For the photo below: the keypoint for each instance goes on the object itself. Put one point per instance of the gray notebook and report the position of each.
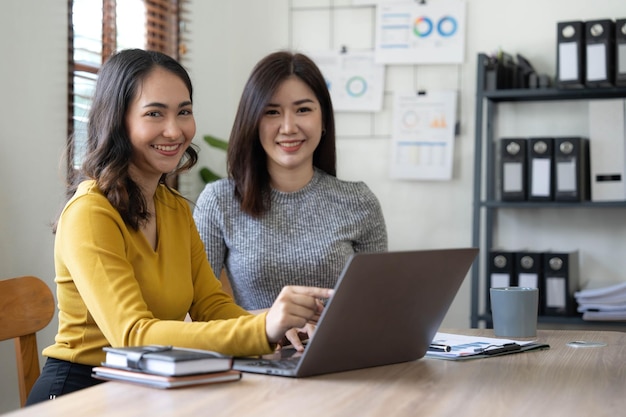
(389, 304)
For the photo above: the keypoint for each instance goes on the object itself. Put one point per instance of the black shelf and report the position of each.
(563, 320)
(485, 204)
(551, 94)
(552, 204)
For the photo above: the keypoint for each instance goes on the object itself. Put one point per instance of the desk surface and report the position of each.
(561, 381)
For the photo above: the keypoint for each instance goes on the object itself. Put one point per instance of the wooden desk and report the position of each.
(562, 381)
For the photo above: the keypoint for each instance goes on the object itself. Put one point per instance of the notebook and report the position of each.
(386, 309)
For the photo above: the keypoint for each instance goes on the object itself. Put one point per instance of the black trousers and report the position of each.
(60, 377)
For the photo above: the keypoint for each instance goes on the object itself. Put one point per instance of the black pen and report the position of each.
(507, 347)
(439, 347)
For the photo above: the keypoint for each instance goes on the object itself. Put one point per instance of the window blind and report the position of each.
(95, 33)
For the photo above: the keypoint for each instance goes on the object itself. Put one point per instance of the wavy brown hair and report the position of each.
(109, 148)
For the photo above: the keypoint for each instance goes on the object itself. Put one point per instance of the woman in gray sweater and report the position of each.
(282, 217)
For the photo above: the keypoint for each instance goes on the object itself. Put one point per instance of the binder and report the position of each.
(620, 52)
(570, 54)
(528, 266)
(500, 72)
(571, 169)
(512, 169)
(540, 169)
(561, 281)
(501, 269)
(529, 272)
(600, 53)
(607, 135)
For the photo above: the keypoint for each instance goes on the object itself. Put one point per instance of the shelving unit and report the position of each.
(485, 204)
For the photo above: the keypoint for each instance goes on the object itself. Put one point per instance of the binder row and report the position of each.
(591, 53)
(544, 169)
(554, 274)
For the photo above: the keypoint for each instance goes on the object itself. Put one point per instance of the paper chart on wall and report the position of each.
(354, 79)
(415, 33)
(423, 135)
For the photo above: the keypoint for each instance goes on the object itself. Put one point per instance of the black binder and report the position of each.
(560, 282)
(501, 269)
(620, 52)
(512, 169)
(529, 272)
(528, 267)
(540, 169)
(571, 169)
(600, 53)
(570, 54)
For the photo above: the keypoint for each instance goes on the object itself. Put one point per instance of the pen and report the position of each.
(439, 348)
(507, 347)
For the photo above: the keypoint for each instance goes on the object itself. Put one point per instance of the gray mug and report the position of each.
(514, 311)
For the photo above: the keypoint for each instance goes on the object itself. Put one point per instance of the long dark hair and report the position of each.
(109, 148)
(247, 161)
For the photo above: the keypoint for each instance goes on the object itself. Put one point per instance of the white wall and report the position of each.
(420, 214)
(33, 89)
(226, 39)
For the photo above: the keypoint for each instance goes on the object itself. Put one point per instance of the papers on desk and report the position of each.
(473, 347)
(606, 303)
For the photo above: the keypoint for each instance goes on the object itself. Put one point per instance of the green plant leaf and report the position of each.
(216, 142)
(208, 176)
(205, 173)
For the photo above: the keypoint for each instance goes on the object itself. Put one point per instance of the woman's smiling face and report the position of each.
(291, 126)
(160, 125)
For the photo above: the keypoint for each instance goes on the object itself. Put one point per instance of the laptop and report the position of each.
(386, 309)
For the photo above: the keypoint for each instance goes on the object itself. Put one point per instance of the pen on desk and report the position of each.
(439, 347)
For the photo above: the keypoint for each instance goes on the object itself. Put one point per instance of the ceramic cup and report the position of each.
(514, 311)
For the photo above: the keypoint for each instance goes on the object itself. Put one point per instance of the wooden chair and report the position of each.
(26, 306)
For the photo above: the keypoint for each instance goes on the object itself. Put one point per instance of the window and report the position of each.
(97, 29)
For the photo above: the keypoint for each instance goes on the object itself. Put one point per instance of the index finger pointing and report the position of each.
(313, 291)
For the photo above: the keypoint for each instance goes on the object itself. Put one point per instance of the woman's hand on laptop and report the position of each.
(295, 308)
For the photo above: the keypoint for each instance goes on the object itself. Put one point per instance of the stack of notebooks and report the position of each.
(165, 366)
(607, 303)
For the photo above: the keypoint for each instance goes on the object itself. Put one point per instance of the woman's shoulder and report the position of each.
(87, 190)
(217, 193)
(332, 183)
(219, 189)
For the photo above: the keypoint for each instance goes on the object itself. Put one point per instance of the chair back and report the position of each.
(26, 306)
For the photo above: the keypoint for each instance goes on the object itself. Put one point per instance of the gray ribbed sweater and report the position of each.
(305, 239)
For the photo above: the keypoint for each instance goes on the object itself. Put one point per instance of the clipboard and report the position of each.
(473, 347)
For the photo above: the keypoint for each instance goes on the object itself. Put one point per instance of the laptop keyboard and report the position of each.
(290, 363)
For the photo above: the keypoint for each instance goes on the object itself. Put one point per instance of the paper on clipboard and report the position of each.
(423, 135)
(474, 347)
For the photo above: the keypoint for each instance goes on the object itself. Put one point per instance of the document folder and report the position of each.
(571, 54)
(540, 169)
(599, 53)
(513, 168)
(620, 52)
(607, 136)
(571, 173)
(561, 281)
(501, 269)
(529, 272)
(528, 269)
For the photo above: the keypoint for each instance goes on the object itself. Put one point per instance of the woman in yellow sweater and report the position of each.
(129, 261)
